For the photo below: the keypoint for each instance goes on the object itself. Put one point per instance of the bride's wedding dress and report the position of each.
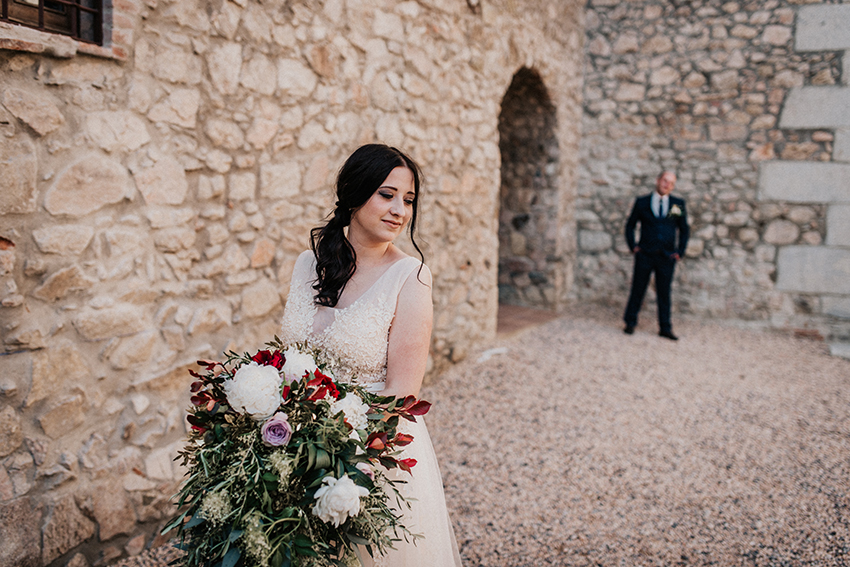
(355, 338)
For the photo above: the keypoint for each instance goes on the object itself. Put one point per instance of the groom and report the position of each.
(660, 216)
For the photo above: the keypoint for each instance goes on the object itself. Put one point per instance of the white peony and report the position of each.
(338, 499)
(354, 410)
(297, 363)
(254, 389)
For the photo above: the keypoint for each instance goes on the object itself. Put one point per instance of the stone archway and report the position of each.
(528, 196)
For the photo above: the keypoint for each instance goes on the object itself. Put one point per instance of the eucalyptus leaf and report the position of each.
(196, 520)
(323, 459)
(231, 557)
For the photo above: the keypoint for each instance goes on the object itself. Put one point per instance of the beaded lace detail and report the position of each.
(355, 341)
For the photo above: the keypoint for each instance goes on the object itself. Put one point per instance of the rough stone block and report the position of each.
(37, 110)
(816, 107)
(61, 283)
(20, 532)
(225, 64)
(164, 183)
(263, 253)
(242, 186)
(98, 324)
(87, 186)
(174, 239)
(295, 78)
(260, 298)
(781, 232)
(838, 225)
(259, 75)
(112, 510)
(134, 350)
(210, 318)
(594, 240)
(180, 108)
(159, 464)
(64, 239)
(120, 131)
(11, 435)
(55, 370)
(66, 415)
(64, 528)
(18, 170)
(804, 182)
(814, 269)
(279, 181)
(823, 28)
(164, 217)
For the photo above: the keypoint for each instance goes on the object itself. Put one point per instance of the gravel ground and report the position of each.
(574, 444)
(581, 445)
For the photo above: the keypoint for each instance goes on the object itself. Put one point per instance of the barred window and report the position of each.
(80, 19)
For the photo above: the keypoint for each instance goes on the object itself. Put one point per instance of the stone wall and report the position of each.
(705, 88)
(155, 193)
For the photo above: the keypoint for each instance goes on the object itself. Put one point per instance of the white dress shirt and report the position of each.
(657, 200)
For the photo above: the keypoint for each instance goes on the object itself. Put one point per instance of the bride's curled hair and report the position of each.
(358, 179)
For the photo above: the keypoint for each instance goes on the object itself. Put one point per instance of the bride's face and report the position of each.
(383, 217)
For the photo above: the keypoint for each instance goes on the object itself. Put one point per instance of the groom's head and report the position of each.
(665, 183)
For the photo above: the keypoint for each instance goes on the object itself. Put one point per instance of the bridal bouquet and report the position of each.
(286, 467)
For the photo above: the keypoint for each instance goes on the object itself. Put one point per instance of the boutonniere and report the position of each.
(675, 211)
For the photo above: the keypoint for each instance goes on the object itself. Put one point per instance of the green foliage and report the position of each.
(246, 503)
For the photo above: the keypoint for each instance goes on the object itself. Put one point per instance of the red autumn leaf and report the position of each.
(196, 385)
(402, 439)
(420, 408)
(195, 420)
(377, 441)
(195, 374)
(406, 464)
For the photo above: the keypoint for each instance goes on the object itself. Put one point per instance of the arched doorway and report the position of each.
(528, 196)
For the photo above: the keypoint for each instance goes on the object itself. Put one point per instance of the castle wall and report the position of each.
(746, 101)
(155, 193)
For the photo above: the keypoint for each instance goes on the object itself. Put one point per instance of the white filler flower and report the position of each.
(338, 499)
(354, 410)
(254, 389)
(297, 363)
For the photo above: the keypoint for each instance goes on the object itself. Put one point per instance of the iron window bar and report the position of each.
(79, 19)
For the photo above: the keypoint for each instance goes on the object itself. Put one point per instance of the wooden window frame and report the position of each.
(82, 19)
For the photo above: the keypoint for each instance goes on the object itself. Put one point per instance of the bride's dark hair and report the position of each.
(358, 179)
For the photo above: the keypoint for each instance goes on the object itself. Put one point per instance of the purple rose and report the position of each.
(277, 431)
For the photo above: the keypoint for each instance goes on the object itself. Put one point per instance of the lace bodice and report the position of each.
(354, 339)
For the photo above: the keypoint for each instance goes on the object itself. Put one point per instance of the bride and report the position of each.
(368, 305)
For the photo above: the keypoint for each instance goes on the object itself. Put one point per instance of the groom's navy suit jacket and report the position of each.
(658, 235)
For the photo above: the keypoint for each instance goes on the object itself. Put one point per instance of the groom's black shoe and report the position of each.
(668, 335)
(629, 330)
